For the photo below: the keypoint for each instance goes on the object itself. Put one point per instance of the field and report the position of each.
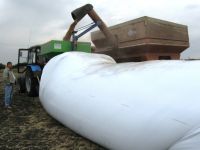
(28, 126)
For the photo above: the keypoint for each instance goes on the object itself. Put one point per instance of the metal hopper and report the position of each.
(143, 39)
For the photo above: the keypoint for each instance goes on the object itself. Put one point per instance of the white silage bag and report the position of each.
(152, 105)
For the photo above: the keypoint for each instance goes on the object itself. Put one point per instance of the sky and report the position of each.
(24, 23)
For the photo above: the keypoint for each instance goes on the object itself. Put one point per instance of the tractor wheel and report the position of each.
(31, 83)
(21, 85)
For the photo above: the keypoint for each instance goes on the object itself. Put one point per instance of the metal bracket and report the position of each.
(76, 37)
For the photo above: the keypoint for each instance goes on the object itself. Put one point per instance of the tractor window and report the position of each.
(23, 56)
(32, 58)
(22, 59)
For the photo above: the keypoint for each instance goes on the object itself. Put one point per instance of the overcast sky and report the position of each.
(24, 23)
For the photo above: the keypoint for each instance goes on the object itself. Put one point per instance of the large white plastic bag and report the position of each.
(130, 106)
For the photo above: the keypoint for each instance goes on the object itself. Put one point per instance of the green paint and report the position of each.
(55, 47)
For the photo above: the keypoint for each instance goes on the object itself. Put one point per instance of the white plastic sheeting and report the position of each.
(151, 105)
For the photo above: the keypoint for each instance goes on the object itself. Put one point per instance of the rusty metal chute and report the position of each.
(87, 9)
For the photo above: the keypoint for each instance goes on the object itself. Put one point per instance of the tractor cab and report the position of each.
(28, 57)
(30, 68)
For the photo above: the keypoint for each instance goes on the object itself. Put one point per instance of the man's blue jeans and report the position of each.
(8, 94)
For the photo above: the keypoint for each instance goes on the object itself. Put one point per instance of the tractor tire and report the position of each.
(31, 83)
(21, 85)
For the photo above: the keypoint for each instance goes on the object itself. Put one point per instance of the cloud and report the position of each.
(29, 22)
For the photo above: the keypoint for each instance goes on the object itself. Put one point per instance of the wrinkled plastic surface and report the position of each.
(151, 105)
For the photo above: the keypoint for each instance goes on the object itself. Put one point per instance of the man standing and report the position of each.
(9, 81)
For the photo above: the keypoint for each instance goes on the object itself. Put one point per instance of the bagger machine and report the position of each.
(137, 40)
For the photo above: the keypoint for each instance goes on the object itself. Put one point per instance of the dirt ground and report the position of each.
(28, 126)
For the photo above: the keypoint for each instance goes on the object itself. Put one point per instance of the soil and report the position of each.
(27, 126)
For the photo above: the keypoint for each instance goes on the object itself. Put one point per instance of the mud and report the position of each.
(27, 126)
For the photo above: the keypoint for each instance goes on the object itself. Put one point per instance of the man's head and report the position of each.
(9, 65)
